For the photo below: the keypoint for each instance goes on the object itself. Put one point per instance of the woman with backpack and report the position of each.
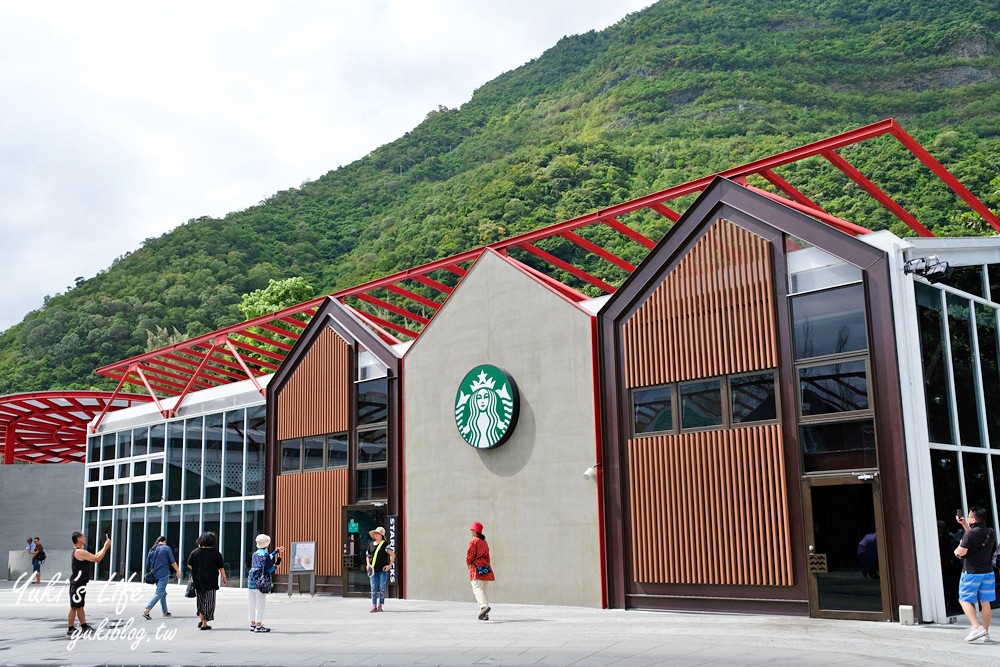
(260, 580)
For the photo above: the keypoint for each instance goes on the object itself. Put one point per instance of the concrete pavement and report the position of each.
(336, 631)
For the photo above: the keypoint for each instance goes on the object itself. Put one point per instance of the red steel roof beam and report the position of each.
(665, 211)
(221, 354)
(938, 169)
(789, 189)
(265, 340)
(880, 196)
(833, 221)
(392, 308)
(433, 284)
(565, 290)
(628, 232)
(389, 325)
(382, 333)
(9, 444)
(250, 375)
(567, 267)
(413, 296)
(191, 382)
(253, 349)
(576, 239)
(293, 335)
(156, 400)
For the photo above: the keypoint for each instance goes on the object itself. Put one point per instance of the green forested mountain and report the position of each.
(677, 91)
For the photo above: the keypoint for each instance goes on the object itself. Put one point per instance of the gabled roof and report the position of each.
(51, 426)
(399, 306)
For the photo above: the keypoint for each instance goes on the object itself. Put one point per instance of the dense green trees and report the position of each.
(679, 90)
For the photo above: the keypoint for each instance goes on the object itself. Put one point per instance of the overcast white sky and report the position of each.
(121, 120)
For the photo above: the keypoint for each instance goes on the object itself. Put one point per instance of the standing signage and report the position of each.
(393, 541)
(303, 555)
(486, 406)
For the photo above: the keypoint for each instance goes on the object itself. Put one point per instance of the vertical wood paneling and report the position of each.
(316, 399)
(710, 508)
(712, 315)
(308, 507)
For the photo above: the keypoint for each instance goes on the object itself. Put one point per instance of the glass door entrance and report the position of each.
(847, 577)
(358, 521)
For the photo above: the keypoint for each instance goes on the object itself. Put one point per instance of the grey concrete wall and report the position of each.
(40, 499)
(540, 513)
(56, 562)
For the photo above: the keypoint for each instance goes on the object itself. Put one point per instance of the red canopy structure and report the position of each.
(399, 306)
(51, 426)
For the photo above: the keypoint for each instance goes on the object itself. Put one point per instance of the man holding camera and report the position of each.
(978, 583)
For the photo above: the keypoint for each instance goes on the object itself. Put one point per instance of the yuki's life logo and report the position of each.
(486, 406)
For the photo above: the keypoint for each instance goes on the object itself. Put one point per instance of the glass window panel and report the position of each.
(753, 398)
(930, 320)
(373, 401)
(107, 495)
(191, 525)
(833, 388)
(154, 525)
(93, 497)
(993, 271)
(969, 279)
(962, 361)
(255, 450)
(838, 446)
(137, 543)
(108, 445)
(155, 490)
(121, 494)
(124, 444)
(989, 356)
(138, 492)
(372, 446)
(109, 473)
(140, 468)
(810, 268)
(140, 443)
(233, 474)
(105, 529)
(253, 524)
(93, 474)
(232, 549)
(212, 466)
(192, 455)
(172, 521)
(175, 459)
(156, 466)
(336, 450)
(369, 367)
(90, 529)
(291, 455)
(211, 519)
(93, 449)
(701, 404)
(977, 482)
(830, 322)
(312, 452)
(156, 437)
(372, 484)
(123, 471)
(652, 409)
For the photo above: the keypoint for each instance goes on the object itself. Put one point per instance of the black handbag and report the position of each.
(190, 592)
(150, 579)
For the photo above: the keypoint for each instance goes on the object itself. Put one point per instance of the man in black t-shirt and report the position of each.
(978, 583)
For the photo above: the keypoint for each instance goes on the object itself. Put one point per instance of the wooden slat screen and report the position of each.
(712, 315)
(307, 508)
(316, 399)
(710, 508)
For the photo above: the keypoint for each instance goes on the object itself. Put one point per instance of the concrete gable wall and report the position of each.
(540, 513)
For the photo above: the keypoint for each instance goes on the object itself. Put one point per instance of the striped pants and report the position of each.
(206, 604)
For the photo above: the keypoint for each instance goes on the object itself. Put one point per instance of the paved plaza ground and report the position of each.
(326, 630)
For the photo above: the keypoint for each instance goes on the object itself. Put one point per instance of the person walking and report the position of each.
(978, 583)
(79, 578)
(379, 559)
(37, 552)
(260, 580)
(159, 562)
(477, 557)
(207, 567)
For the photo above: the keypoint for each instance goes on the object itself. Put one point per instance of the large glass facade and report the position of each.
(177, 478)
(957, 323)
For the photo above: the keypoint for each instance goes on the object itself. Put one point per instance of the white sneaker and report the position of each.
(975, 633)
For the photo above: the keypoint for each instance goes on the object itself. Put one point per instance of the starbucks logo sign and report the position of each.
(486, 406)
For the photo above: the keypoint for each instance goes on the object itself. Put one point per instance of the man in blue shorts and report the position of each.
(978, 583)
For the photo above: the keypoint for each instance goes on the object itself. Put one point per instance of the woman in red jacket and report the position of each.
(480, 572)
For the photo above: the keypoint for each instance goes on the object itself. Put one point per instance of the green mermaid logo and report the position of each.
(486, 406)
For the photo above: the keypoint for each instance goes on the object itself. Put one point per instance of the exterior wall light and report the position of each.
(591, 472)
(931, 268)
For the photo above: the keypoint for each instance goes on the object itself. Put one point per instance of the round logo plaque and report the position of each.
(486, 406)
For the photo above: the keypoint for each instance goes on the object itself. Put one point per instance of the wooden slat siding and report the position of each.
(316, 399)
(712, 315)
(308, 507)
(728, 481)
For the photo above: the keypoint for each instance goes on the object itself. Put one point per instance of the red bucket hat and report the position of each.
(476, 526)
